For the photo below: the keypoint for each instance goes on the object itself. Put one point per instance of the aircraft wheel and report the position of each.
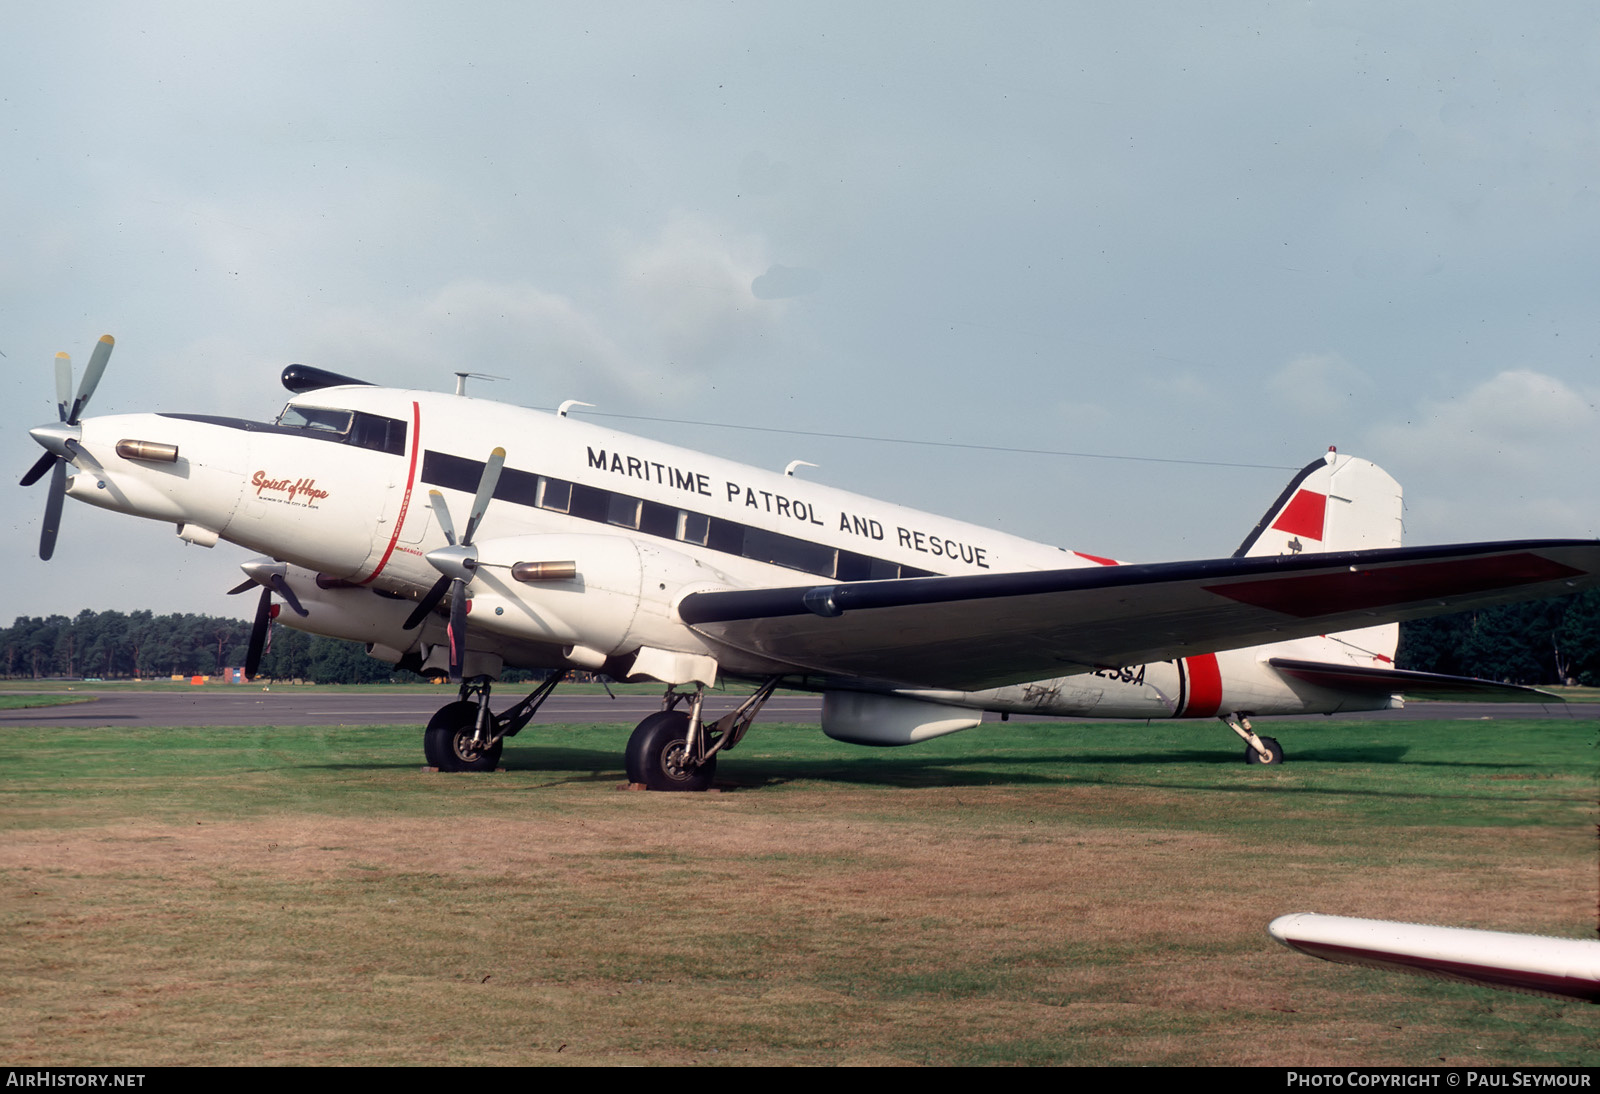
(448, 744)
(1251, 756)
(656, 754)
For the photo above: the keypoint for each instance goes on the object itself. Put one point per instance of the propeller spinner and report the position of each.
(60, 439)
(458, 562)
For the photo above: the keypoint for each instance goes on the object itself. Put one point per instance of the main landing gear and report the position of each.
(675, 750)
(670, 750)
(467, 736)
(1258, 750)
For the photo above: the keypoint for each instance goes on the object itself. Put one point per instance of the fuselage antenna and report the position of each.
(462, 377)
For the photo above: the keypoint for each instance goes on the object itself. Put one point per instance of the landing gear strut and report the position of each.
(467, 736)
(1258, 750)
(674, 750)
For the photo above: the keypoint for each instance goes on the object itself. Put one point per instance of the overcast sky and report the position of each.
(1234, 233)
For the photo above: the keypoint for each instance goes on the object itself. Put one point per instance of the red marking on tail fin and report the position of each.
(1303, 515)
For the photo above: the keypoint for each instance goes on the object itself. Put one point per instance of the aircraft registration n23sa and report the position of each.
(453, 534)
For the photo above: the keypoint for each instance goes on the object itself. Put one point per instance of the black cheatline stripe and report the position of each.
(521, 488)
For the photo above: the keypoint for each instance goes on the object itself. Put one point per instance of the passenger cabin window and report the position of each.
(693, 527)
(555, 495)
(623, 511)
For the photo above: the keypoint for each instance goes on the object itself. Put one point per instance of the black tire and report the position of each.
(1251, 756)
(655, 755)
(447, 742)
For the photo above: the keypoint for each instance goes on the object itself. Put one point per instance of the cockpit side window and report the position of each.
(379, 433)
(354, 427)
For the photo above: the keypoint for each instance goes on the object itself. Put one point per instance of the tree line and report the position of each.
(1538, 642)
(141, 645)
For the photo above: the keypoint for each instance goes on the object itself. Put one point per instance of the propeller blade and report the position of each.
(247, 583)
(458, 627)
(258, 631)
(491, 478)
(427, 603)
(281, 587)
(52, 511)
(92, 374)
(36, 472)
(63, 384)
(441, 513)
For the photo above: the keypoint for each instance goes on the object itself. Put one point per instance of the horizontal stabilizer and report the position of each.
(1413, 685)
(987, 630)
(1568, 968)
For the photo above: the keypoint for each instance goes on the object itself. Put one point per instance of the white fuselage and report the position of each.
(650, 522)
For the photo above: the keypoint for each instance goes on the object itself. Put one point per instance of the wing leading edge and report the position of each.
(983, 631)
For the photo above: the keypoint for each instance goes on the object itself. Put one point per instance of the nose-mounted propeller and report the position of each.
(457, 563)
(60, 439)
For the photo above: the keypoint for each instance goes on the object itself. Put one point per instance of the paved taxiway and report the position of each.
(291, 706)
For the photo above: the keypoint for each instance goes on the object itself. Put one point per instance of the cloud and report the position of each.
(516, 330)
(1510, 457)
(691, 287)
(1319, 384)
(675, 308)
(1518, 420)
(784, 281)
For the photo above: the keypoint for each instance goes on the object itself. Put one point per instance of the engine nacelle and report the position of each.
(619, 596)
(861, 718)
(338, 610)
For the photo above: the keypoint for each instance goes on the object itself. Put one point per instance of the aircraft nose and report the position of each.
(57, 437)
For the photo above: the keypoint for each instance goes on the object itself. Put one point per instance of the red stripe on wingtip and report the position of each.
(1307, 595)
(1097, 558)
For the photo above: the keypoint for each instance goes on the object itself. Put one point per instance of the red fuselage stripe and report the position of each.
(405, 501)
(1205, 686)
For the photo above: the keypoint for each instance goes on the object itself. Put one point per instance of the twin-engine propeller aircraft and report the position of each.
(461, 535)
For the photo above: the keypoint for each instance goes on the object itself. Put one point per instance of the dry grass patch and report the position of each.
(337, 909)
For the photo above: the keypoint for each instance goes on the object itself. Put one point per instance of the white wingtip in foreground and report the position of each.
(1568, 968)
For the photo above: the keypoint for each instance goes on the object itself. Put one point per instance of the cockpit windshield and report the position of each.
(315, 417)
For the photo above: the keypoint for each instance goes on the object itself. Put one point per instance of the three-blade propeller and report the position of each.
(269, 574)
(61, 439)
(458, 562)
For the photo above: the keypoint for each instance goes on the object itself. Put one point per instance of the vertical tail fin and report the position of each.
(1336, 503)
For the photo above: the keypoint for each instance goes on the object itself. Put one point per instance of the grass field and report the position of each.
(1017, 894)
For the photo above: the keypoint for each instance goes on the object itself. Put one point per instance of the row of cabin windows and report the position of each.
(664, 521)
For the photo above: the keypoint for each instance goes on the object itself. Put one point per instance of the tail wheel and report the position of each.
(1251, 756)
(448, 743)
(658, 755)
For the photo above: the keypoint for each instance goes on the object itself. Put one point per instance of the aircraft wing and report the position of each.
(1413, 685)
(1568, 968)
(975, 632)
